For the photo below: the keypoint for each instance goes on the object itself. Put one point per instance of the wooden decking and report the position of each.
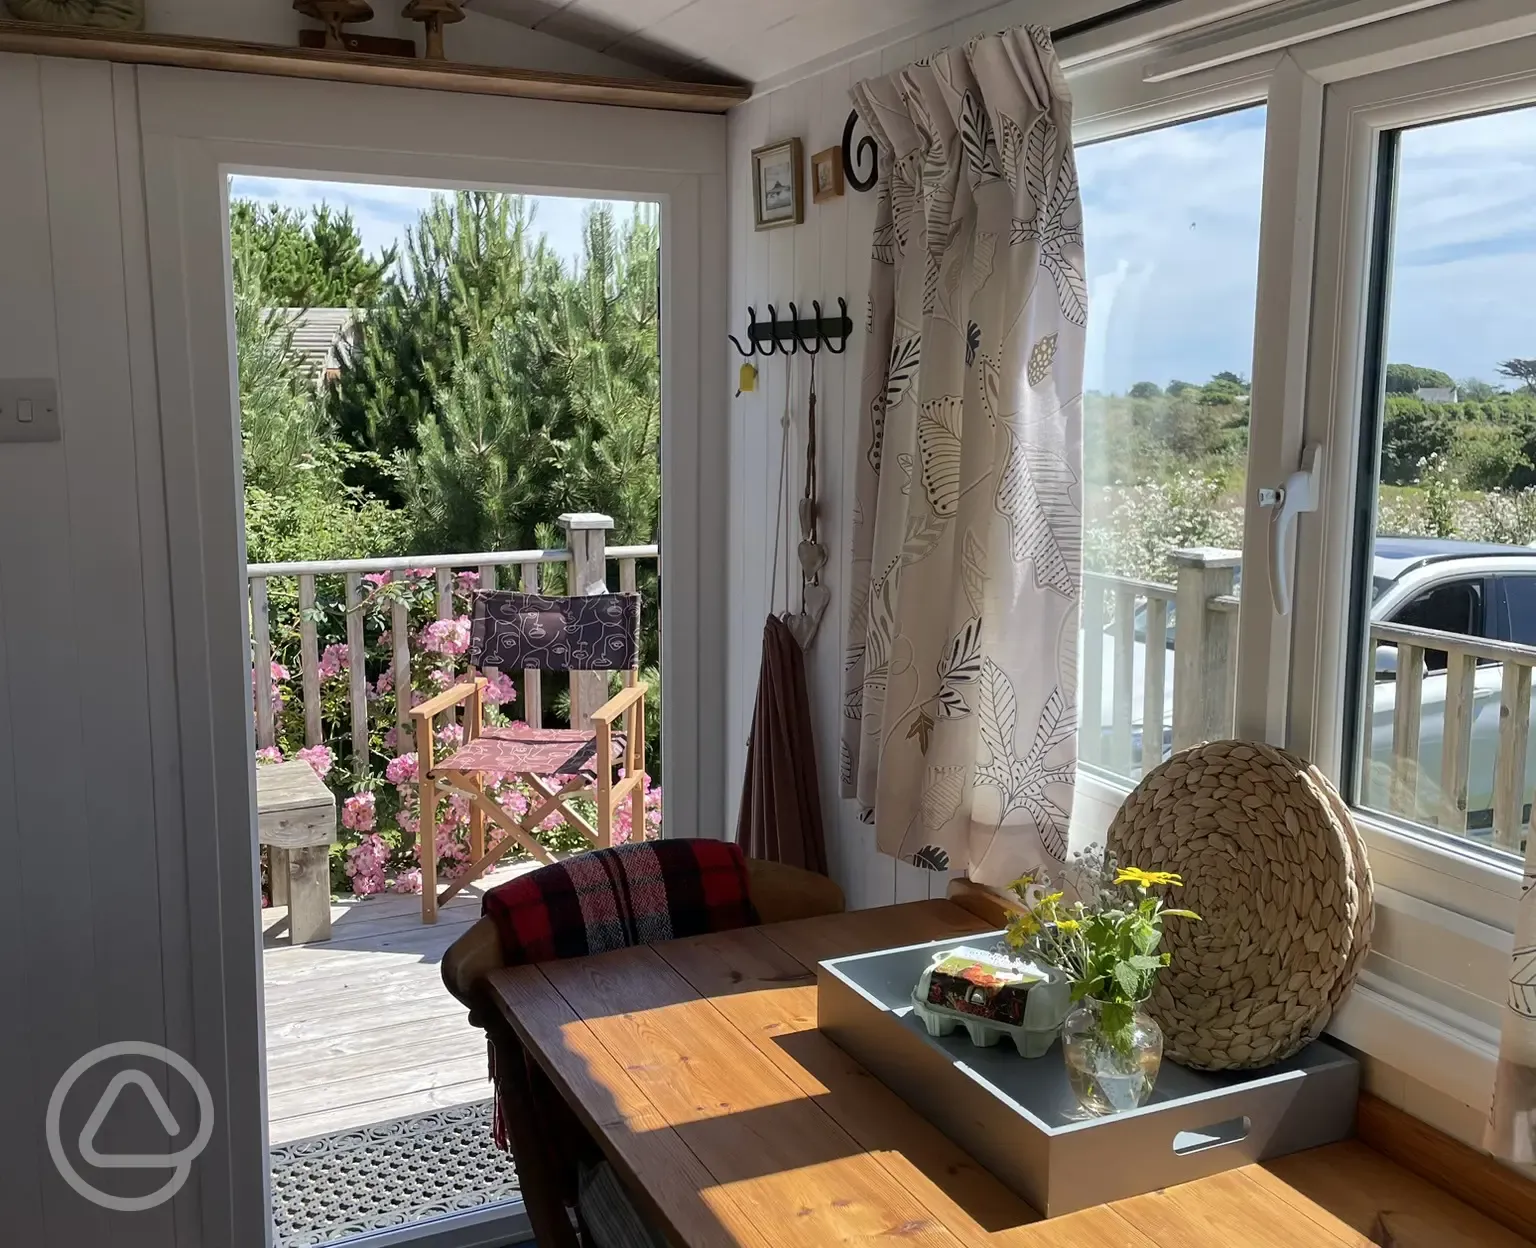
(360, 1029)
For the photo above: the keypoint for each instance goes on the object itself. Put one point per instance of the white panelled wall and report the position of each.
(826, 257)
(92, 926)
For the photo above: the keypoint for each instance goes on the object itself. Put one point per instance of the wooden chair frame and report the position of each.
(433, 780)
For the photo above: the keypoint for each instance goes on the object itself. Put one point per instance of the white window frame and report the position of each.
(1358, 112)
(1428, 1002)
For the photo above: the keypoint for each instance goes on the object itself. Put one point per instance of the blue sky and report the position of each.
(1171, 226)
(382, 213)
(1171, 222)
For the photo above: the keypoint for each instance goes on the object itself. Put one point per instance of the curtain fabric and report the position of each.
(959, 731)
(1511, 1131)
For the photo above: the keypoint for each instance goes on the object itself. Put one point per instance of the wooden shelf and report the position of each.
(265, 58)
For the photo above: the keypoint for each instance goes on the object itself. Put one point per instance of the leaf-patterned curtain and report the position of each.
(959, 730)
(1511, 1132)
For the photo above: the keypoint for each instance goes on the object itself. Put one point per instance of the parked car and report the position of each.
(1473, 589)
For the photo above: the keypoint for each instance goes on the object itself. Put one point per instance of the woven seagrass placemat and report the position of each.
(1273, 865)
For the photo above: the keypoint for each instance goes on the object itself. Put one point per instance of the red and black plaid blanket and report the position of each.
(614, 898)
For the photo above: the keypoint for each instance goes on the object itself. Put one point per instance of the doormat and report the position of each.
(386, 1175)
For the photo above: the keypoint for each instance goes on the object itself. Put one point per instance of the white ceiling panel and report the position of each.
(747, 40)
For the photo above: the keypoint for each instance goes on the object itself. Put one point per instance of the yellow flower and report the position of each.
(1147, 879)
(1067, 925)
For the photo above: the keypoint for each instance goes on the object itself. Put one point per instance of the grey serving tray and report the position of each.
(1020, 1120)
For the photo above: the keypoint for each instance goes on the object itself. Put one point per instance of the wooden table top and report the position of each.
(697, 1066)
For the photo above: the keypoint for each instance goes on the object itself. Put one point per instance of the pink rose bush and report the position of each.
(359, 812)
(379, 803)
(319, 757)
(446, 637)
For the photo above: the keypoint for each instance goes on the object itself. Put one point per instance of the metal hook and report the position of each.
(842, 306)
(794, 329)
(816, 334)
(752, 312)
(773, 338)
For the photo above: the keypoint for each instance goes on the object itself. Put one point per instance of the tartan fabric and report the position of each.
(519, 749)
(635, 894)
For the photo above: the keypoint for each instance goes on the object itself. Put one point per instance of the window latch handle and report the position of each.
(1299, 493)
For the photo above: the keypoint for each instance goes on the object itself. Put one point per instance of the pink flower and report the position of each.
(499, 690)
(408, 881)
(379, 578)
(269, 754)
(279, 674)
(441, 678)
(450, 736)
(319, 757)
(401, 770)
(467, 580)
(358, 813)
(385, 683)
(449, 637)
(365, 865)
(334, 660)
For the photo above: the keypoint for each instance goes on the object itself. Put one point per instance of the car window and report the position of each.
(1520, 609)
(1455, 607)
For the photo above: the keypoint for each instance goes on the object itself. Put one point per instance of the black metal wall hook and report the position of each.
(791, 337)
(867, 148)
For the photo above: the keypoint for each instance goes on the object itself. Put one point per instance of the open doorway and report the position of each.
(440, 392)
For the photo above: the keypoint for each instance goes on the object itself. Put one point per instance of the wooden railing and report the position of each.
(1446, 806)
(1204, 665)
(1126, 619)
(584, 560)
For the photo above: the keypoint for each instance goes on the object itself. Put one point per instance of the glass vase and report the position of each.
(1110, 1071)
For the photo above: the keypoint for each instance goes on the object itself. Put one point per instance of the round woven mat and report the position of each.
(1272, 863)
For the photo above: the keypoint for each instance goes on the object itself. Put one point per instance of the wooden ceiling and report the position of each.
(750, 41)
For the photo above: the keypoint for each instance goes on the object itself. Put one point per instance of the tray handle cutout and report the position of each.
(1232, 1131)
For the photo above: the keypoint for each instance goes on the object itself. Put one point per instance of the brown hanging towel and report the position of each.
(781, 795)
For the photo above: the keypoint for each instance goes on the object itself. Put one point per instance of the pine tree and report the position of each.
(281, 422)
(313, 260)
(610, 351)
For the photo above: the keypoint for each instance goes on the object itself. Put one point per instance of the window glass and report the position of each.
(1520, 609)
(1454, 407)
(1453, 608)
(1171, 228)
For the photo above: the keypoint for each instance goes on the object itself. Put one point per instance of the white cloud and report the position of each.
(1171, 225)
(383, 213)
(1171, 228)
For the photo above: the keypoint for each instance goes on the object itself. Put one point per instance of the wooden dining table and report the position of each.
(697, 1067)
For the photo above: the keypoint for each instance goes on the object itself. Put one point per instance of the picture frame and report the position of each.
(778, 191)
(827, 175)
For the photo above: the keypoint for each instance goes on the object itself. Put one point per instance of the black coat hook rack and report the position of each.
(811, 334)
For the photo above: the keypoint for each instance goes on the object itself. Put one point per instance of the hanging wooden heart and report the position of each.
(807, 517)
(813, 558)
(805, 623)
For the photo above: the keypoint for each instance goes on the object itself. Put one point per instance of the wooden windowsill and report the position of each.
(188, 52)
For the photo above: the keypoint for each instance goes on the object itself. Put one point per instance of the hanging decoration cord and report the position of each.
(781, 498)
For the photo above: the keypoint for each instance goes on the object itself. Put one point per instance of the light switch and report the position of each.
(29, 409)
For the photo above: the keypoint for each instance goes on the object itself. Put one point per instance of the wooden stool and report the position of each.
(296, 820)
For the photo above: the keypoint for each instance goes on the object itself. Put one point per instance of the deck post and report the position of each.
(1205, 641)
(586, 537)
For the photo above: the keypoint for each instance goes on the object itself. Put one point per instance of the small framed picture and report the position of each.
(827, 174)
(778, 196)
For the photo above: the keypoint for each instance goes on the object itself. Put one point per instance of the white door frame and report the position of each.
(198, 127)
